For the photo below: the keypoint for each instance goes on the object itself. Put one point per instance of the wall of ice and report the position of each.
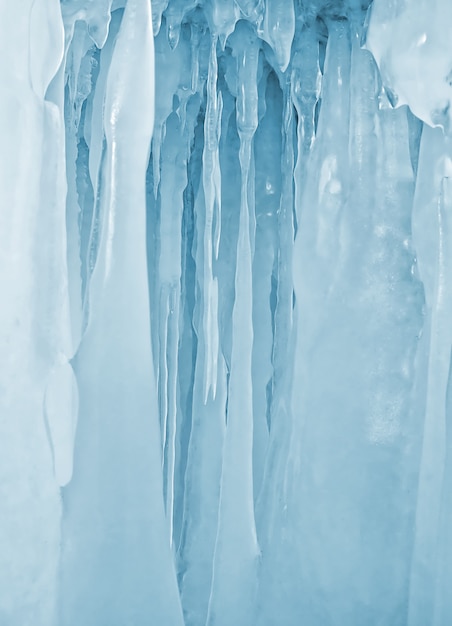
(225, 321)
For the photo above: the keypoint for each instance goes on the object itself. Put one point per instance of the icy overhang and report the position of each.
(411, 41)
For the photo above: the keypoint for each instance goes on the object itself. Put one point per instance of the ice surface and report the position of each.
(225, 260)
(411, 44)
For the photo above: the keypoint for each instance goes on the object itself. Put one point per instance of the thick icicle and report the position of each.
(223, 15)
(95, 13)
(34, 315)
(158, 7)
(355, 293)
(279, 29)
(113, 507)
(277, 534)
(432, 240)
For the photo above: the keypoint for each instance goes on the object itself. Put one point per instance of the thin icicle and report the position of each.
(305, 92)
(212, 195)
(268, 176)
(174, 16)
(204, 455)
(168, 68)
(173, 183)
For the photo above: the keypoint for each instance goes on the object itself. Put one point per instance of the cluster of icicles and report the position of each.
(246, 385)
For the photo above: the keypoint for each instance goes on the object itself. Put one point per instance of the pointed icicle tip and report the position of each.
(173, 33)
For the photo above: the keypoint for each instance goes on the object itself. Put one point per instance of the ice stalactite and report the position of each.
(211, 181)
(226, 346)
(430, 215)
(278, 29)
(267, 144)
(113, 511)
(234, 580)
(34, 337)
(354, 247)
(173, 181)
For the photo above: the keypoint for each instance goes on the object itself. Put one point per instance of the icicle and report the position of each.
(167, 68)
(234, 581)
(96, 15)
(267, 148)
(82, 58)
(91, 218)
(99, 21)
(173, 183)
(224, 15)
(158, 7)
(97, 109)
(114, 504)
(305, 92)
(279, 29)
(34, 316)
(196, 32)
(204, 456)
(170, 180)
(78, 77)
(174, 15)
(432, 240)
(251, 9)
(272, 503)
(314, 263)
(212, 195)
(352, 269)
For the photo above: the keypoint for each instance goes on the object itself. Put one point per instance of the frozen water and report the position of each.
(411, 44)
(225, 329)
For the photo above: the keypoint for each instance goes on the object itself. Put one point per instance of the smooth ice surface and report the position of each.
(411, 42)
(225, 324)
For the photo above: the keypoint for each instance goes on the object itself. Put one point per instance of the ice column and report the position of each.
(34, 318)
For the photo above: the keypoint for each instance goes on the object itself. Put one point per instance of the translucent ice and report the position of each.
(411, 44)
(225, 262)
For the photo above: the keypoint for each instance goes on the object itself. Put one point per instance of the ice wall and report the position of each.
(225, 254)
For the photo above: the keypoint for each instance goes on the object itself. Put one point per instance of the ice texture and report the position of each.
(225, 327)
(411, 44)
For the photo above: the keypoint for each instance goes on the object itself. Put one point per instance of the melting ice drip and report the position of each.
(225, 322)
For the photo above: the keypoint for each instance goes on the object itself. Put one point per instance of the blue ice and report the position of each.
(225, 324)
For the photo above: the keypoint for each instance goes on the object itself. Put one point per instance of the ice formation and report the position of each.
(225, 328)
